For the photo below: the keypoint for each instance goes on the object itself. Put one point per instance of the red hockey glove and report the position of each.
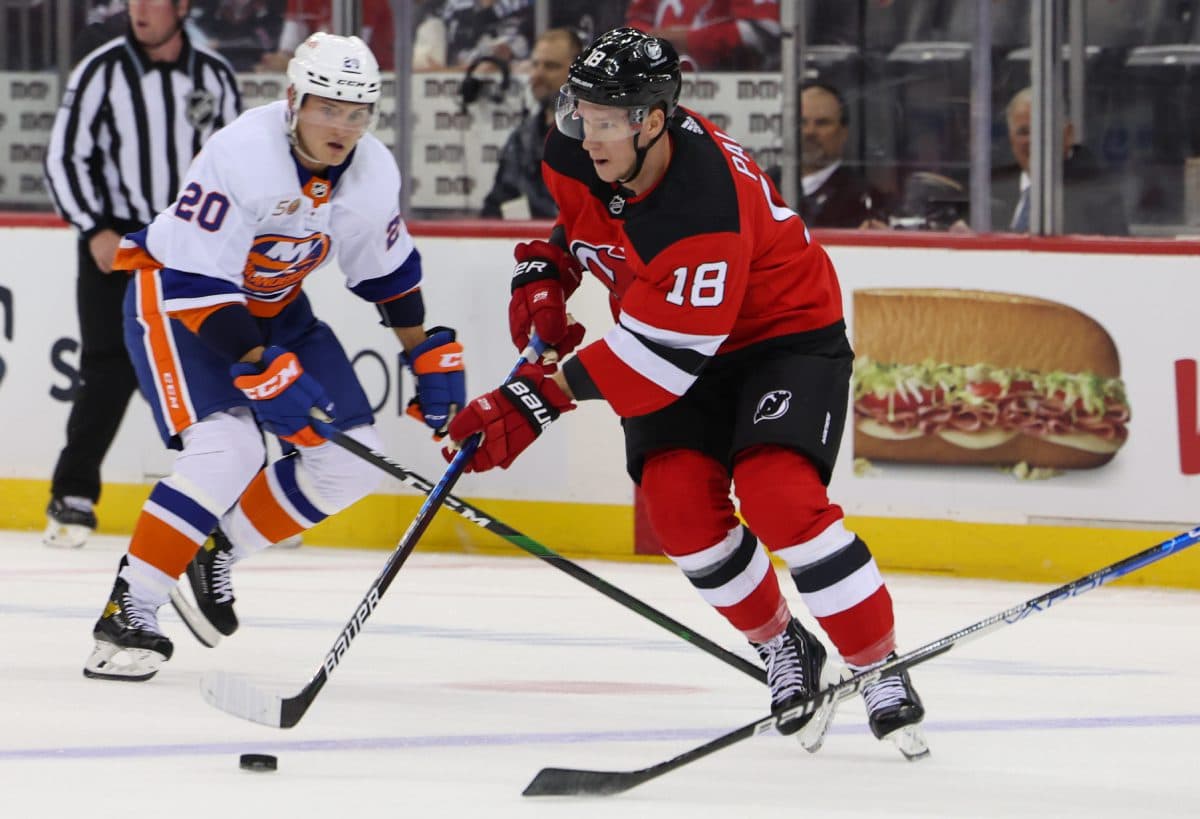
(543, 280)
(510, 418)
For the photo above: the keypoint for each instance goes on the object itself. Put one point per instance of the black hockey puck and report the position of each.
(258, 762)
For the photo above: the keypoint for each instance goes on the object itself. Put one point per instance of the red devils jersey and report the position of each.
(708, 261)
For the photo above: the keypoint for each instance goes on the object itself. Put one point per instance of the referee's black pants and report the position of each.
(107, 380)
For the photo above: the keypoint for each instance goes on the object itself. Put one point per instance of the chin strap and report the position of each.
(641, 155)
(295, 140)
(293, 127)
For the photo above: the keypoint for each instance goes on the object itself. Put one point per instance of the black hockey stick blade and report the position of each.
(568, 782)
(571, 782)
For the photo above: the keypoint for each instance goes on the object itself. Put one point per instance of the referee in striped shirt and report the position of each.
(135, 112)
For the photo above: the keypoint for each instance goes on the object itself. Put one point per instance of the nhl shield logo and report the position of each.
(201, 108)
(772, 405)
(616, 204)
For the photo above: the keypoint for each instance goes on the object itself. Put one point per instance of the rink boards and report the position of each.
(570, 491)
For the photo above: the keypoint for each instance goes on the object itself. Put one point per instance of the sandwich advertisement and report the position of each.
(974, 392)
(1020, 387)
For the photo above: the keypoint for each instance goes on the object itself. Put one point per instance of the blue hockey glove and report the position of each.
(282, 394)
(437, 364)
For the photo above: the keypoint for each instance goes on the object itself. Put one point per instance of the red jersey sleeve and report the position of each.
(674, 317)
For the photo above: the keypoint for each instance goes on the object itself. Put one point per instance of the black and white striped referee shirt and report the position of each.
(127, 130)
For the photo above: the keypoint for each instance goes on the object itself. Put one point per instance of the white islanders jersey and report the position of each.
(250, 223)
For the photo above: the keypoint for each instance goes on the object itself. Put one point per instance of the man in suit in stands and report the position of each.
(1092, 200)
(833, 194)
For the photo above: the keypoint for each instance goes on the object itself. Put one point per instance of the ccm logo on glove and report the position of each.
(283, 371)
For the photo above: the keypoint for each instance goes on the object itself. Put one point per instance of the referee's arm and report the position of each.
(73, 148)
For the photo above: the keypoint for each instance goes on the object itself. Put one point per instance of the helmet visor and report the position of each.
(354, 118)
(580, 119)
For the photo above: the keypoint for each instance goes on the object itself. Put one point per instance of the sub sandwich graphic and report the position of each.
(974, 377)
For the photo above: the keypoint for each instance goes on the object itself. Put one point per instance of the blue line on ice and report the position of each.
(566, 738)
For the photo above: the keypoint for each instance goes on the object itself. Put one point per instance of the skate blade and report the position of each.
(110, 661)
(65, 535)
(197, 623)
(812, 736)
(910, 741)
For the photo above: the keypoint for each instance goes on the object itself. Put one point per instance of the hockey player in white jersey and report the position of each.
(223, 339)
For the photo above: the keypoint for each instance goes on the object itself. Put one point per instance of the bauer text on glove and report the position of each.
(510, 418)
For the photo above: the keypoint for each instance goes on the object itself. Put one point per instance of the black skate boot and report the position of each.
(211, 579)
(129, 644)
(796, 669)
(68, 524)
(894, 711)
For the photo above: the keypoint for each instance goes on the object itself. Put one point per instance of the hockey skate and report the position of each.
(68, 523)
(894, 712)
(130, 645)
(796, 670)
(210, 578)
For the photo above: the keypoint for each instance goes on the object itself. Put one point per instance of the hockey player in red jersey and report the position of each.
(728, 362)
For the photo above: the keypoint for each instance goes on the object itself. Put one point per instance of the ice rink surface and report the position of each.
(476, 672)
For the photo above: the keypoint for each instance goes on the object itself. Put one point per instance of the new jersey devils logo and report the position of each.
(772, 405)
(601, 260)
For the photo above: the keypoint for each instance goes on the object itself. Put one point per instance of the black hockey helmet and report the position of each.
(622, 68)
(627, 68)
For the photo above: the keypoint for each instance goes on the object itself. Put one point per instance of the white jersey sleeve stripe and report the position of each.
(640, 358)
(706, 346)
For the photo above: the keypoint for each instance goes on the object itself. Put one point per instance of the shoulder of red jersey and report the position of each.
(697, 196)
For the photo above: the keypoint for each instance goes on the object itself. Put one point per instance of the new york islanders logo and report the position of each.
(277, 262)
(772, 405)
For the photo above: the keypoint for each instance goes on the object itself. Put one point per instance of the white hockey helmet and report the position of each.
(335, 67)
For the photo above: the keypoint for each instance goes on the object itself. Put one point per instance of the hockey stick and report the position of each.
(570, 782)
(481, 519)
(240, 696)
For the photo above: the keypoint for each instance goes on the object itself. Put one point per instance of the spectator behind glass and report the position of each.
(242, 30)
(1092, 201)
(303, 17)
(520, 171)
(487, 28)
(832, 193)
(587, 18)
(737, 35)
(104, 19)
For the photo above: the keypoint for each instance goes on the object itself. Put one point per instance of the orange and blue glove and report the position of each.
(282, 395)
(437, 365)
